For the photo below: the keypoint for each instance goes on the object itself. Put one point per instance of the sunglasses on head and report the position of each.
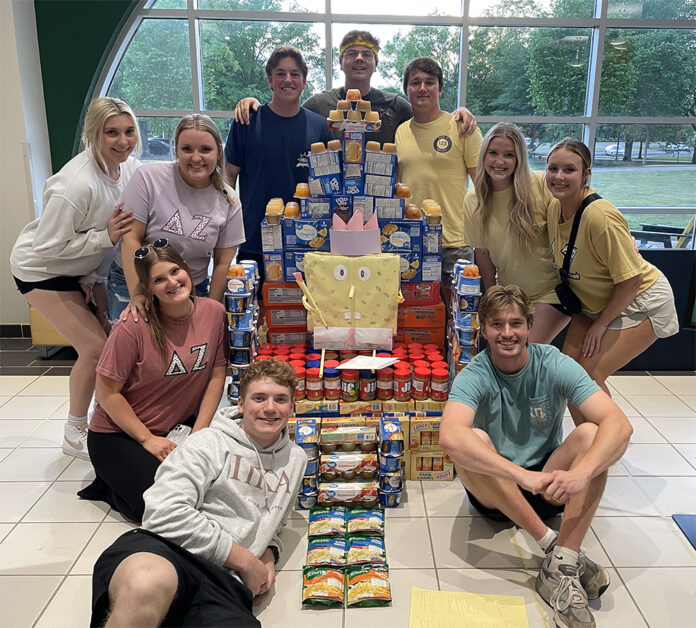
(144, 251)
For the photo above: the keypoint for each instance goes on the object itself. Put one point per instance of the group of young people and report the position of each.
(214, 506)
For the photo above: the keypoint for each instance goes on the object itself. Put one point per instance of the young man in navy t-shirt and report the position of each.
(270, 154)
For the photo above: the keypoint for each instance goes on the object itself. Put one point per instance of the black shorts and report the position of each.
(207, 595)
(541, 507)
(57, 284)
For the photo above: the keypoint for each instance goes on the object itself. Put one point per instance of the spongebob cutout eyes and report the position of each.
(353, 300)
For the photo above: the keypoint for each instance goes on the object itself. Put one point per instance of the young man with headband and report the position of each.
(502, 427)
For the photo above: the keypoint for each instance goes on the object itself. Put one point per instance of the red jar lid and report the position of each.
(297, 355)
(415, 345)
(422, 372)
(434, 356)
(297, 364)
(263, 356)
(383, 355)
(440, 365)
(313, 356)
(299, 345)
(386, 372)
(350, 373)
(398, 345)
(402, 367)
(420, 364)
(266, 348)
(430, 347)
(281, 357)
(313, 372)
(440, 373)
(416, 355)
(364, 352)
(331, 364)
(300, 371)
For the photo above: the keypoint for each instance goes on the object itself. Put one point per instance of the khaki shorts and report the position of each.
(655, 303)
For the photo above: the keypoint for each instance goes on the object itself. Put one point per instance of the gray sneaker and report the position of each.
(593, 577)
(562, 591)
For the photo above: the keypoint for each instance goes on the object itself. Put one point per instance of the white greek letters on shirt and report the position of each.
(175, 226)
(176, 366)
(200, 365)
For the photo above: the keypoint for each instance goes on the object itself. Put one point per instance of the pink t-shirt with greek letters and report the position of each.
(163, 395)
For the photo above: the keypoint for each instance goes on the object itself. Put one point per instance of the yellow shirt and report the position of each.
(604, 253)
(534, 272)
(433, 162)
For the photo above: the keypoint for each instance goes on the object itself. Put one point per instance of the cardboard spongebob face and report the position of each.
(359, 294)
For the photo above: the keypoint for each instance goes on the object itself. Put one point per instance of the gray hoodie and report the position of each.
(220, 488)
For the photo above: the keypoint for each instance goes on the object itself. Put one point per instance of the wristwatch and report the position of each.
(276, 554)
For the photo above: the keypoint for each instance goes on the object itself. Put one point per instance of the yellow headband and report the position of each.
(359, 41)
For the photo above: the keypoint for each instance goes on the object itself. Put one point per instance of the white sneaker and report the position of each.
(75, 441)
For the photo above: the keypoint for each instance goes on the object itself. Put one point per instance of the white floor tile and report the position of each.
(644, 432)
(43, 548)
(13, 432)
(676, 430)
(644, 542)
(78, 470)
(48, 386)
(499, 582)
(447, 499)
(407, 543)
(61, 413)
(10, 385)
(625, 405)
(411, 501)
(31, 407)
(637, 385)
(472, 542)
(656, 460)
(105, 535)
(678, 384)
(616, 609)
(689, 452)
(34, 464)
(4, 399)
(16, 498)
(61, 504)
(623, 497)
(651, 406)
(670, 495)
(22, 598)
(618, 468)
(282, 606)
(294, 538)
(397, 614)
(48, 434)
(689, 400)
(667, 596)
(71, 606)
(5, 530)
(4, 453)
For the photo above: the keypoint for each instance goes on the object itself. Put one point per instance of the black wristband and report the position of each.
(276, 553)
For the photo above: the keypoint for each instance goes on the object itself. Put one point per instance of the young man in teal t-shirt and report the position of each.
(502, 427)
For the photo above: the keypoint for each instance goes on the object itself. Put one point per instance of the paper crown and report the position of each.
(355, 238)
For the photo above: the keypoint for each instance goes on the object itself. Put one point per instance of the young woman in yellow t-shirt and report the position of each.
(505, 219)
(627, 303)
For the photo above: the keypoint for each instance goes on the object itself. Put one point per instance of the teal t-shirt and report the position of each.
(523, 412)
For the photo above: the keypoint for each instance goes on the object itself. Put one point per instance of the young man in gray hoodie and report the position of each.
(209, 539)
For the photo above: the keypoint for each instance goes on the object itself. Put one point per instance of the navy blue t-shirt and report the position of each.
(272, 154)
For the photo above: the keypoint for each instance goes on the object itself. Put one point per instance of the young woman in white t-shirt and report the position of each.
(55, 261)
(505, 219)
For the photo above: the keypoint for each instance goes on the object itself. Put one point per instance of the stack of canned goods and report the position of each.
(390, 456)
(465, 330)
(306, 436)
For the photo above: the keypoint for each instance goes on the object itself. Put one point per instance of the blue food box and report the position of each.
(325, 185)
(431, 268)
(353, 147)
(377, 185)
(293, 262)
(365, 204)
(380, 163)
(389, 208)
(353, 187)
(432, 238)
(317, 207)
(410, 267)
(391, 438)
(322, 164)
(306, 234)
(271, 236)
(397, 235)
(273, 266)
(342, 203)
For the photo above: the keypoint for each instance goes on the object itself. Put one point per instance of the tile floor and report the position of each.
(49, 539)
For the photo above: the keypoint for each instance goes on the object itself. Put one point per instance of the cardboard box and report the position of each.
(286, 317)
(323, 164)
(421, 292)
(383, 164)
(271, 237)
(377, 185)
(410, 315)
(321, 408)
(430, 466)
(353, 147)
(400, 235)
(293, 262)
(365, 204)
(431, 268)
(357, 420)
(325, 185)
(286, 293)
(425, 434)
(288, 335)
(342, 204)
(424, 335)
(360, 407)
(389, 208)
(306, 234)
(354, 187)
(428, 405)
(432, 239)
(43, 333)
(410, 269)
(273, 266)
(319, 207)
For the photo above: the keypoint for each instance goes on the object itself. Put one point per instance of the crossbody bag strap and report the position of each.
(590, 198)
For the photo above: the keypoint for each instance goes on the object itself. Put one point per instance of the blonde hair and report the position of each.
(98, 112)
(521, 212)
(277, 371)
(201, 122)
(580, 149)
(499, 298)
(143, 266)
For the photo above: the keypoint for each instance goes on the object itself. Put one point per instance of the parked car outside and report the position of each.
(159, 146)
(613, 149)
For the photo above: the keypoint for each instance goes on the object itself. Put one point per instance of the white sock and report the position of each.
(547, 540)
(76, 421)
(562, 556)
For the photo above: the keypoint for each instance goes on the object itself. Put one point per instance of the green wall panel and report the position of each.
(75, 37)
